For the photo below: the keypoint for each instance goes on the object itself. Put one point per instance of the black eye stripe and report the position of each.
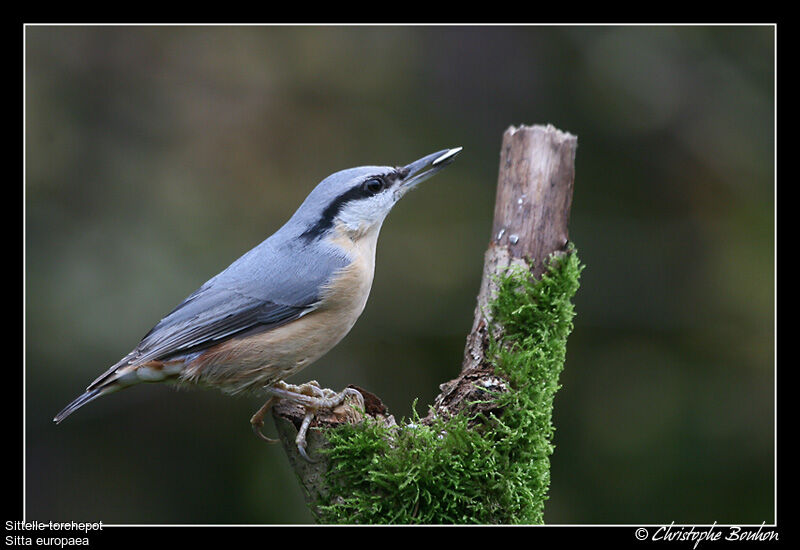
(325, 222)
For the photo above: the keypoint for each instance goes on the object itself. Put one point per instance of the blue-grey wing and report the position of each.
(265, 288)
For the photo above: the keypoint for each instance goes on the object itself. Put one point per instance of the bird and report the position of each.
(282, 305)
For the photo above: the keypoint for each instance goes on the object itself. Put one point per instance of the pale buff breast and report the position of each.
(261, 358)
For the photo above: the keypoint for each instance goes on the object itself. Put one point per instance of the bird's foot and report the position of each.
(312, 398)
(257, 421)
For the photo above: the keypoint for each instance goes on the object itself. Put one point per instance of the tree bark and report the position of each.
(531, 215)
(532, 207)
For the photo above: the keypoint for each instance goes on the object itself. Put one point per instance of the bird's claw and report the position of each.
(312, 398)
(257, 421)
(260, 434)
(300, 440)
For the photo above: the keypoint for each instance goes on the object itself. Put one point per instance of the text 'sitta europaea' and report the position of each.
(283, 304)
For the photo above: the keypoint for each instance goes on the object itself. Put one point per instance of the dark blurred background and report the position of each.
(156, 155)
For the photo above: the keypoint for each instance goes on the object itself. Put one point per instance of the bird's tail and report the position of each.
(122, 376)
(112, 380)
(87, 396)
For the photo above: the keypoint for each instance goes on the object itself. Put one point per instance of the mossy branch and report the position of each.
(482, 452)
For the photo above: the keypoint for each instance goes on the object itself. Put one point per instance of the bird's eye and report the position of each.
(373, 186)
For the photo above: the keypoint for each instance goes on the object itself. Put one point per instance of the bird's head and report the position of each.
(357, 200)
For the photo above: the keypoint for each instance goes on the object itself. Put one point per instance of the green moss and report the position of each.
(488, 470)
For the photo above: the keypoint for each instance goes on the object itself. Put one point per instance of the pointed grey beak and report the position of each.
(422, 169)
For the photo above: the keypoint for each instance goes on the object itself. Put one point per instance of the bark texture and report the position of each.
(531, 215)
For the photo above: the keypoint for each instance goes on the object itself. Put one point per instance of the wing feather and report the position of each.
(255, 291)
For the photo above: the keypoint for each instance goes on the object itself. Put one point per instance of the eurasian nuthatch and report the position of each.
(283, 304)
